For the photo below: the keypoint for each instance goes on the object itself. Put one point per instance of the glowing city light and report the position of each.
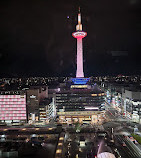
(61, 138)
(58, 151)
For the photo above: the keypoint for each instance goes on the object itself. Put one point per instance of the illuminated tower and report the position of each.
(79, 34)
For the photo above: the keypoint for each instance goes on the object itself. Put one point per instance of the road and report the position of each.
(94, 143)
(128, 146)
(121, 124)
(114, 114)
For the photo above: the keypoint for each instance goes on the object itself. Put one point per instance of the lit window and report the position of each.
(58, 151)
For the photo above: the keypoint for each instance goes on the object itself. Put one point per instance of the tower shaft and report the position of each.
(79, 71)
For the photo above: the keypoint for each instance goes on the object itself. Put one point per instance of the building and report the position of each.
(35, 95)
(125, 98)
(13, 106)
(132, 104)
(52, 109)
(80, 103)
(47, 110)
(114, 94)
(43, 111)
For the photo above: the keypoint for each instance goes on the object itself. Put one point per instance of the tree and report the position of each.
(77, 126)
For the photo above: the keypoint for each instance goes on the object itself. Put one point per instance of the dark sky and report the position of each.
(36, 37)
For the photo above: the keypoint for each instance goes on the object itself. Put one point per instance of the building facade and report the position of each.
(132, 105)
(13, 107)
(35, 95)
(80, 104)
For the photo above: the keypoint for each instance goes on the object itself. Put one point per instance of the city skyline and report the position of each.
(36, 38)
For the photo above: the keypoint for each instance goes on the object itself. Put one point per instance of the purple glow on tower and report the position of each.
(79, 34)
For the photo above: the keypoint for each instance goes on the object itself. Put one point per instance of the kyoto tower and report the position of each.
(79, 34)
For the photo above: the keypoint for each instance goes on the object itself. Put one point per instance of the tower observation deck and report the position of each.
(79, 35)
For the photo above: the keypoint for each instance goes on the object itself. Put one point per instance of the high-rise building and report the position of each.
(34, 96)
(47, 110)
(13, 106)
(132, 104)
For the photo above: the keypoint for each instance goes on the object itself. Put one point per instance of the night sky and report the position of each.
(36, 37)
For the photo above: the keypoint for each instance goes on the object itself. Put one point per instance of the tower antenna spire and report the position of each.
(79, 9)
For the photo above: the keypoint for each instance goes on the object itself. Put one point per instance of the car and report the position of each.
(116, 153)
(123, 144)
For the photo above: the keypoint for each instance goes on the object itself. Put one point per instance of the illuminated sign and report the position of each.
(80, 81)
(32, 96)
(79, 86)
